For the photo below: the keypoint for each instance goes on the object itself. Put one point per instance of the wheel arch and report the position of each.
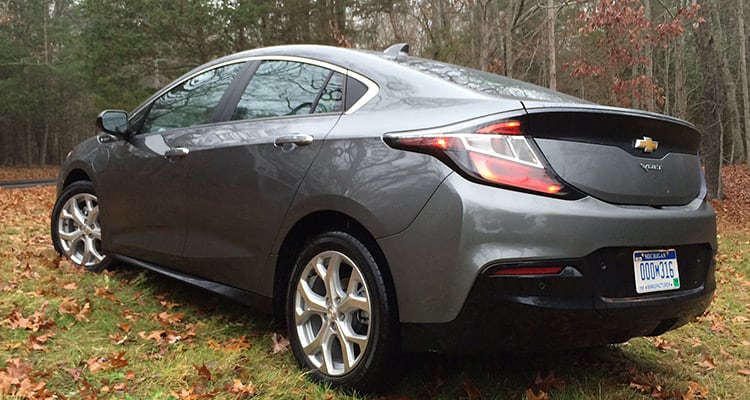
(302, 232)
(75, 175)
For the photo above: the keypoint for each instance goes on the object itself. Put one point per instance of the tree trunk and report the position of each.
(680, 83)
(551, 43)
(650, 101)
(743, 74)
(730, 87)
(508, 38)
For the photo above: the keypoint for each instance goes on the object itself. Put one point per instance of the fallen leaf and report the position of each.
(240, 389)
(708, 363)
(233, 344)
(75, 373)
(165, 318)
(169, 305)
(104, 293)
(280, 343)
(661, 343)
(549, 382)
(203, 372)
(639, 387)
(696, 391)
(530, 395)
(70, 286)
(471, 392)
(37, 342)
(70, 306)
(166, 336)
(35, 322)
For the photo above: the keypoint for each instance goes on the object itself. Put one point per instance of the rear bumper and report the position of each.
(466, 227)
(524, 314)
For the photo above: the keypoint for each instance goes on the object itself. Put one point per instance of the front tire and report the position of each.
(76, 231)
(341, 318)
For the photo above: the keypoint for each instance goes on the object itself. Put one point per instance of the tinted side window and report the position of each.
(192, 102)
(283, 88)
(354, 91)
(332, 95)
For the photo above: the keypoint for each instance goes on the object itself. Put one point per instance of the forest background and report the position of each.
(62, 61)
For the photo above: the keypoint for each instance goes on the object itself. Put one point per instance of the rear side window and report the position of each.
(280, 88)
(190, 103)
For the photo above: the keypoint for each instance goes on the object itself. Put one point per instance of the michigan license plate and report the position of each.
(656, 270)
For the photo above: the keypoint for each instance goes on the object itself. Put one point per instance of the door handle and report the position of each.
(176, 152)
(299, 140)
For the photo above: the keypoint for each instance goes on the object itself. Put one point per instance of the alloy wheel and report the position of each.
(332, 313)
(79, 231)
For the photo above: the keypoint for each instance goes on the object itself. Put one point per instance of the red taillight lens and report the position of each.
(496, 153)
(542, 270)
(502, 128)
(509, 173)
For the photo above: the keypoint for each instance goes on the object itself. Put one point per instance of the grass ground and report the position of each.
(131, 334)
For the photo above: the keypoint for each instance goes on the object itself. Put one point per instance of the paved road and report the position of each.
(26, 184)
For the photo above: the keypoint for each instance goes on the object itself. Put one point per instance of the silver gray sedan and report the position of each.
(377, 202)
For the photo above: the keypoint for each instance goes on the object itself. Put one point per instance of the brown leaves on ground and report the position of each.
(36, 322)
(25, 174)
(647, 384)
(167, 337)
(232, 344)
(113, 361)
(733, 212)
(16, 379)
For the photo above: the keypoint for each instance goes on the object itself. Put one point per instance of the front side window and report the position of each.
(192, 102)
(280, 88)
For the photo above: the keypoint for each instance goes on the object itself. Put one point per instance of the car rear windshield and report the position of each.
(485, 82)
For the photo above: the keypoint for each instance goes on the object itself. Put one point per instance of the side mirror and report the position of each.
(114, 122)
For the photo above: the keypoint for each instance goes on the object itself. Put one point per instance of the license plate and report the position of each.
(656, 270)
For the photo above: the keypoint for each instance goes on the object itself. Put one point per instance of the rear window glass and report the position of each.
(485, 82)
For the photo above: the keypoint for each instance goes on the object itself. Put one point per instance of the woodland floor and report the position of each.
(130, 334)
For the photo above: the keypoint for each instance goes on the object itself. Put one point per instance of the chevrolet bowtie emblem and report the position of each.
(647, 144)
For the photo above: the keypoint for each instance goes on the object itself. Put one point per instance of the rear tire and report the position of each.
(340, 316)
(76, 232)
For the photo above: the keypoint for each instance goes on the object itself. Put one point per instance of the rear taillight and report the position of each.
(497, 153)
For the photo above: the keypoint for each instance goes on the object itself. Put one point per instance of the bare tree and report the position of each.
(743, 72)
(551, 43)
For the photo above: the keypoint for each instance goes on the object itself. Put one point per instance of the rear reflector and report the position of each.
(546, 270)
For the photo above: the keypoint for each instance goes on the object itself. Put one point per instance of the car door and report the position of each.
(244, 174)
(144, 184)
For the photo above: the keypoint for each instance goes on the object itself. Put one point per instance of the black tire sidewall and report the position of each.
(371, 371)
(70, 191)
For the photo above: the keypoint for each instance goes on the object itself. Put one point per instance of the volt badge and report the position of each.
(646, 144)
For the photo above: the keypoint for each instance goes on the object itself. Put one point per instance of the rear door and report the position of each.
(244, 173)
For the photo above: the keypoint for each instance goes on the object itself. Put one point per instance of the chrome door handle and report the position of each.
(299, 140)
(176, 152)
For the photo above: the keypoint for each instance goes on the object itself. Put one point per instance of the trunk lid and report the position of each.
(619, 156)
